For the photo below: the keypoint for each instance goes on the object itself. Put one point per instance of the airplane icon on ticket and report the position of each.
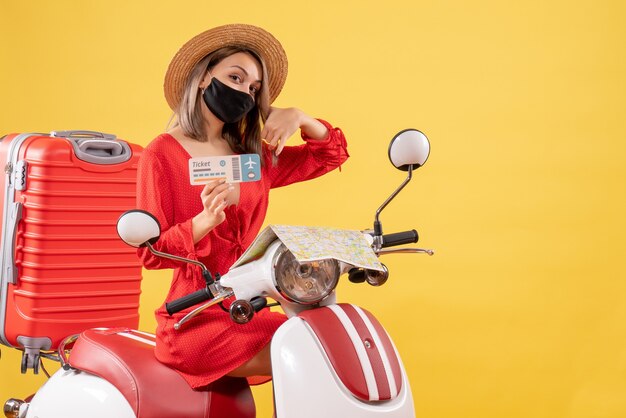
(250, 164)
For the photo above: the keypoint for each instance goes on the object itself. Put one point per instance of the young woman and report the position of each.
(220, 85)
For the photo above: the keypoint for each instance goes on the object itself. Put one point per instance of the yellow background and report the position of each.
(522, 311)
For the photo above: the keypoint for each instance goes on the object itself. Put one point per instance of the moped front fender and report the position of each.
(306, 384)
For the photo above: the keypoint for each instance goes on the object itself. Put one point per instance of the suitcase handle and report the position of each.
(9, 267)
(96, 147)
(83, 134)
(101, 151)
(100, 147)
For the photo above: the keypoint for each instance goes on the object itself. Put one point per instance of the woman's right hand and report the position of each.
(214, 202)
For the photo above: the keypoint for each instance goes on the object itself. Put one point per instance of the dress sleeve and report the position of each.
(309, 160)
(155, 188)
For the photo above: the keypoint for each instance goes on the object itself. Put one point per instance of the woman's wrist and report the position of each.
(200, 226)
(312, 127)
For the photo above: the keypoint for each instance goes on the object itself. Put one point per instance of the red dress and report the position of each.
(211, 345)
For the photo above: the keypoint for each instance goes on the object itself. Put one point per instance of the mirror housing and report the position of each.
(409, 148)
(137, 228)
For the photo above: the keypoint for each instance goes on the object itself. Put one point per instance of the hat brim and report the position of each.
(251, 37)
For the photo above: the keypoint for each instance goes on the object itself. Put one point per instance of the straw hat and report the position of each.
(252, 37)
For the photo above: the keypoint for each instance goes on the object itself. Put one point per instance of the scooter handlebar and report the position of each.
(400, 238)
(188, 300)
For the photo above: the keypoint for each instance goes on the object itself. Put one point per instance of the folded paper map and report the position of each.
(309, 243)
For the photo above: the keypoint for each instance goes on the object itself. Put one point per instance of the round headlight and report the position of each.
(304, 283)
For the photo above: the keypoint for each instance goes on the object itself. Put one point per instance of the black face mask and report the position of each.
(228, 104)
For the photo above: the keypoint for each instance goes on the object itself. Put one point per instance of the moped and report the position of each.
(328, 359)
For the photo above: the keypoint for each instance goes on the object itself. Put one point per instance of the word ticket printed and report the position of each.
(233, 168)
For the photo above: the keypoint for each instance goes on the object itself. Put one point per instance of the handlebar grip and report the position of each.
(399, 238)
(187, 301)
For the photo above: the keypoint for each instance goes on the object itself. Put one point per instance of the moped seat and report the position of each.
(125, 358)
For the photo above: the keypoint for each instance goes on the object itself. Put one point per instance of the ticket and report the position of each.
(232, 168)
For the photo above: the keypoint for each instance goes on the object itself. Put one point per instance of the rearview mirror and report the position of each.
(137, 228)
(409, 147)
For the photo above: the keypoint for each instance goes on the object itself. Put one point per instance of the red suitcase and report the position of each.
(63, 267)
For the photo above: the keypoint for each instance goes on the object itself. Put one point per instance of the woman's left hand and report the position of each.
(280, 125)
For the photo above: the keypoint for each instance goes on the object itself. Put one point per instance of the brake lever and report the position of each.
(404, 250)
(217, 299)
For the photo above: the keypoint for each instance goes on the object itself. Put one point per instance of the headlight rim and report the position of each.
(282, 249)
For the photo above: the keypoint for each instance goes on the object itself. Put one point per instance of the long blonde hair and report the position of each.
(243, 137)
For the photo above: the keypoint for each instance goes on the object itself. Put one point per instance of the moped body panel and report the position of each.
(76, 394)
(306, 384)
